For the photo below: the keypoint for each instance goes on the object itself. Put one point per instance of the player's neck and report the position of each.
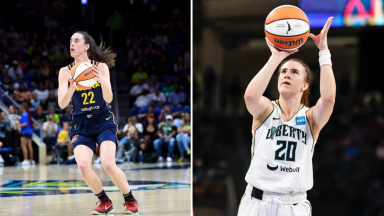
(83, 58)
(289, 106)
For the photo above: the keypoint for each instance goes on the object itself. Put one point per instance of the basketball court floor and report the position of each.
(161, 189)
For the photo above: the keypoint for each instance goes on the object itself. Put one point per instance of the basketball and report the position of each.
(287, 27)
(82, 76)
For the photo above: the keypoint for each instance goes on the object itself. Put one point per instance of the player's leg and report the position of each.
(180, 143)
(171, 146)
(107, 155)
(30, 149)
(23, 144)
(69, 148)
(83, 155)
(157, 145)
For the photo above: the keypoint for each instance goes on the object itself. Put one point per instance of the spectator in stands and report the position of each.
(40, 118)
(166, 110)
(150, 129)
(133, 146)
(14, 69)
(19, 81)
(6, 80)
(37, 79)
(184, 136)
(137, 90)
(50, 128)
(151, 110)
(26, 126)
(42, 93)
(168, 88)
(139, 74)
(52, 89)
(11, 93)
(52, 101)
(11, 134)
(51, 112)
(179, 66)
(23, 95)
(142, 101)
(158, 97)
(178, 97)
(63, 141)
(166, 134)
(13, 113)
(35, 102)
(135, 55)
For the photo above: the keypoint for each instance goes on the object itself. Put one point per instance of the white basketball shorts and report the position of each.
(274, 204)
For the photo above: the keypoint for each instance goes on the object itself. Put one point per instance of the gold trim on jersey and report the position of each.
(114, 121)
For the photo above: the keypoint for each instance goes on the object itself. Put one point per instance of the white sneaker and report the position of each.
(169, 159)
(25, 162)
(32, 162)
(98, 160)
(161, 159)
(71, 157)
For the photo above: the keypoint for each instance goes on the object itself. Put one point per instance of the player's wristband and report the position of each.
(325, 57)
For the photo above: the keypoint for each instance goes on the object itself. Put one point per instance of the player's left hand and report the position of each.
(321, 39)
(99, 76)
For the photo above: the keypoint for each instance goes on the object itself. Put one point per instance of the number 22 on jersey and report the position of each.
(85, 95)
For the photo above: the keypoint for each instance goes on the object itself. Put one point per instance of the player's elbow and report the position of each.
(61, 105)
(330, 99)
(248, 97)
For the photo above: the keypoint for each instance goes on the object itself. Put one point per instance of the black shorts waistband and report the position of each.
(90, 116)
(257, 193)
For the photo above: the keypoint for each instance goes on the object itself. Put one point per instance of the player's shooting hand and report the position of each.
(279, 53)
(99, 76)
(321, 39)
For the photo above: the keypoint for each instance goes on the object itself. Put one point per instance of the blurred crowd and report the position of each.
(157, 49)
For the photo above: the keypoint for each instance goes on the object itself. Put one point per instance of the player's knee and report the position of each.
(85, 168)
(109, 166)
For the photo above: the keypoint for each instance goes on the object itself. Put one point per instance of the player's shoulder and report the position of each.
(64, 69)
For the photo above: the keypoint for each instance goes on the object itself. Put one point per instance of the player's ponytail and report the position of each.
(99, 53)
(308, 78)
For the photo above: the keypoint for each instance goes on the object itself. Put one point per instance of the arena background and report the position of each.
(229, 49)
(35, 40)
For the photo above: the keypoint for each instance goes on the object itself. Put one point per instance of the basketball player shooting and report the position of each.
(93, 122)
(285, 132)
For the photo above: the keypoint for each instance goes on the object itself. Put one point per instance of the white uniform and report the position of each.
(281, 166)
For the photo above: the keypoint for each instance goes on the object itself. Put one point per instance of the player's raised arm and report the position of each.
(64, 93)
(322, 111)
(256, 103)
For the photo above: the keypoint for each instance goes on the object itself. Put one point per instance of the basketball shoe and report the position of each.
(132, 208)
(104, 207)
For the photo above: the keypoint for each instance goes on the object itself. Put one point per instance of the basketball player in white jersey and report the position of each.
(285, 132)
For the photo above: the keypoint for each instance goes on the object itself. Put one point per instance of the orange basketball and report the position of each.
(287, 27)
(83, 76)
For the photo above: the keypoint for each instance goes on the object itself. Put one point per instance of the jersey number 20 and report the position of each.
(91, 101)
(290, 154)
